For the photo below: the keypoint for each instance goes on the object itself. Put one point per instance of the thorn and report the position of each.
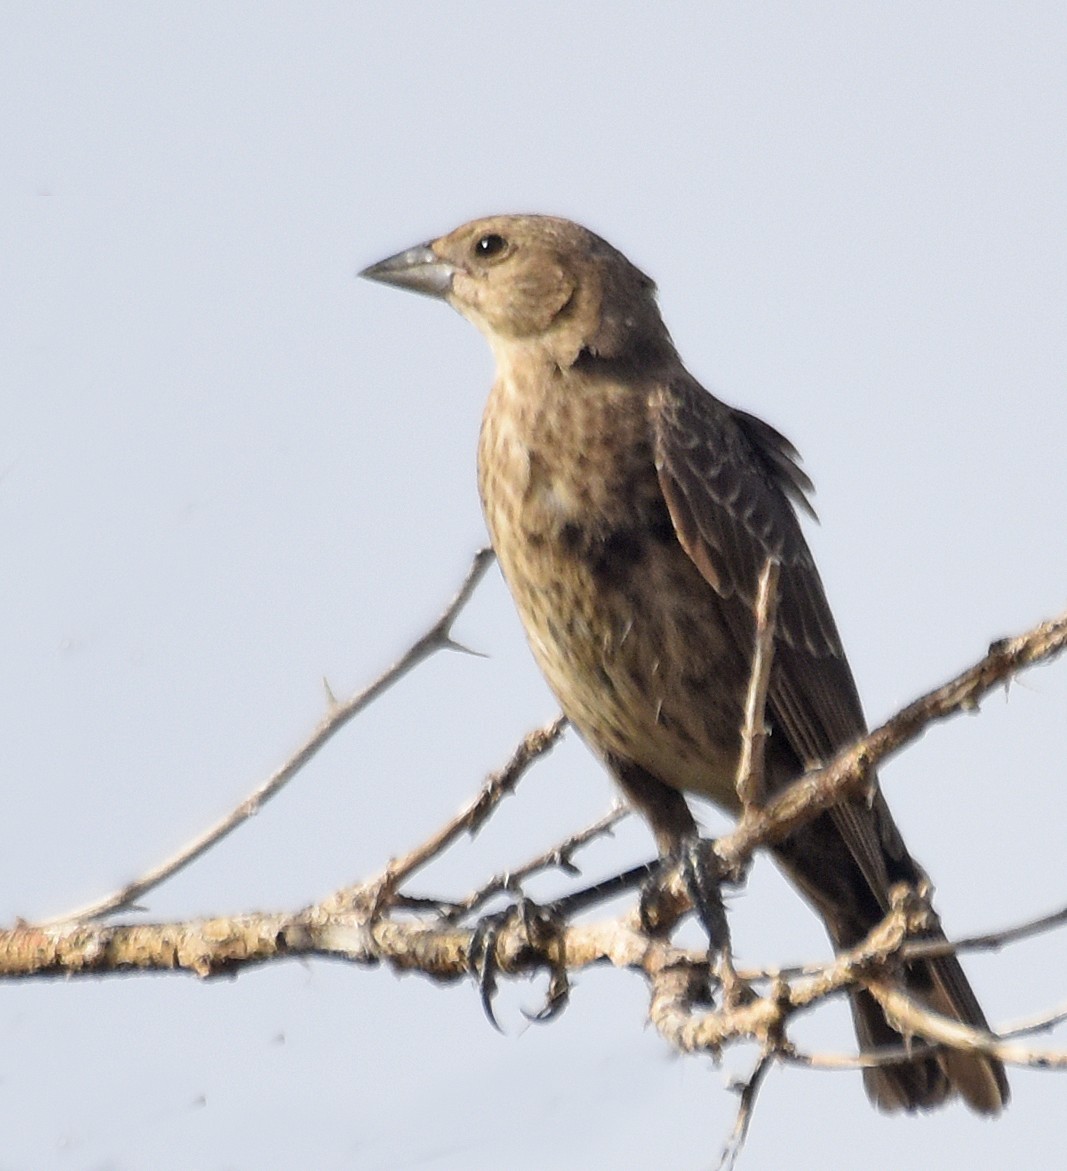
(563, 861)
(450, 644)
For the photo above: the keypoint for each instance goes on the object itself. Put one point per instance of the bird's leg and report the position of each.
(682, 852)
(703, 874)
(678, 840)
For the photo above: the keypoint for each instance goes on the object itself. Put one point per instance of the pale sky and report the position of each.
(229, 470)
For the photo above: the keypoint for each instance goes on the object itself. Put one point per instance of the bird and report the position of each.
(632, 513)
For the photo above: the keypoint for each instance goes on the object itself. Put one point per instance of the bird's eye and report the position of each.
(491, 245)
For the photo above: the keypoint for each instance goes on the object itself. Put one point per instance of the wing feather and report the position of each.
(730, 481)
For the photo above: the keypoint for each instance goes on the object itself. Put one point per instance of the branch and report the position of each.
(746, 1105)
(469, 820)
(678, 977)
(355, 923)
(558, 857)
(989, 940)
(848, 774)
(750, 778)
(922, 949)
(438, 637)
(909, 1016)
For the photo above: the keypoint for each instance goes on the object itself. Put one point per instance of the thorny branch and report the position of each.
(438, 637)
(358, 923)
(469, 820)
(847, 774)
(558, 857)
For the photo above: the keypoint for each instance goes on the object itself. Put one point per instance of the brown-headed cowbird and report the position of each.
(632, 514)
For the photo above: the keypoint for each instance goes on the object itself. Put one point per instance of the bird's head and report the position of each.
(535, 281)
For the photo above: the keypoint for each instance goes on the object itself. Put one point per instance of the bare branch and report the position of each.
(1041, 1022)
(469, 820)
(869, 1058)
(438, 637)
(909, 1016)
(678, 977)
(750, 778)
(559, 857)
(355, 924)
(746, 1105)
(988, 941)
(916, 949)
(847, 774)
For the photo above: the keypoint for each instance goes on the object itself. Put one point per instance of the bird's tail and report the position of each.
(823, 864)
(928, 1079)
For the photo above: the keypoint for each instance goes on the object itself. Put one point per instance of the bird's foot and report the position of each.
(692, 876)
(521, 936)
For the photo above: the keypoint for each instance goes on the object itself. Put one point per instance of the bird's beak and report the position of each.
(419, 269)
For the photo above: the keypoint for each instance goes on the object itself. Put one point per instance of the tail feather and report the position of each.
(822, 862)
(927, 1080)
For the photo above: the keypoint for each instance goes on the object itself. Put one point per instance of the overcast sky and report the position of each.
(228, 470)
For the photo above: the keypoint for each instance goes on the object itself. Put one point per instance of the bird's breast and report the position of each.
(619, 619)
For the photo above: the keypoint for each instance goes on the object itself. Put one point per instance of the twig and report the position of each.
(868, 1059)
(988, 941)
(559, 857)
(469, 820)
(923, 949)
(438, 637)
(849, 771)
(746, 1104)
(1041, 1022)
(909, 1016)
(750, 778)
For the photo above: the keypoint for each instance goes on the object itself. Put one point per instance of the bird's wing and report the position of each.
(727, 478)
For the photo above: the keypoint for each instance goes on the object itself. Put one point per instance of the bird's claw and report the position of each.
(483, 959)
(539, 929)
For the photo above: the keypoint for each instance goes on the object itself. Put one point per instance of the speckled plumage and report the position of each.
(604, 590)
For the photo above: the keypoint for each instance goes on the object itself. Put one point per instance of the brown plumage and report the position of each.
(632, 513)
